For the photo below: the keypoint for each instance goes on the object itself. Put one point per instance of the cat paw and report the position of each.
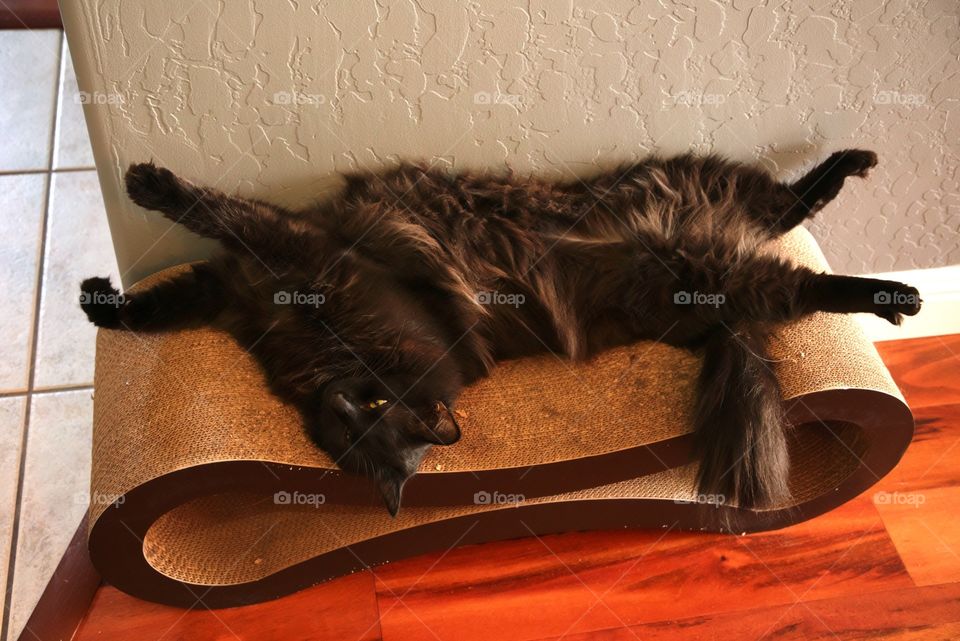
(854, 162)
(152, 187)
(894, 300)
(101, 302)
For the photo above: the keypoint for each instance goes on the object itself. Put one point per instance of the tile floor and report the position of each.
(53, 233)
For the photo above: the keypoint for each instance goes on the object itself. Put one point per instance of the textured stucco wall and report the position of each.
(269, 97)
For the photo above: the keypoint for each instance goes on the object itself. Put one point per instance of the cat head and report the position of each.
(376, 377)
(382, 428)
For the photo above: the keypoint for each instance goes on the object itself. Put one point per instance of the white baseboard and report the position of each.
(940, 290)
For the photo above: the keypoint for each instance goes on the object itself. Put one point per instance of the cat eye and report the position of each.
(376, 403)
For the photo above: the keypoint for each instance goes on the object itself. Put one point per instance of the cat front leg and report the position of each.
(159, 189)
(241, 225)
(192, 296)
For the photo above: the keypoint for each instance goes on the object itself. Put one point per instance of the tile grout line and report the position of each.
(53, 389)
(61, 170)
(38, 279)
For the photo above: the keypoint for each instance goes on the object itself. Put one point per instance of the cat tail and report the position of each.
(739, 422)
(191, 297)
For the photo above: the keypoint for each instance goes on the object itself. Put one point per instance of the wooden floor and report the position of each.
(884, 566)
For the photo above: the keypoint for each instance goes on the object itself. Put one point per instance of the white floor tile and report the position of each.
(30, 62)
(56, 482)
(72, 145)
(78, 246)
(22, 200)
(11, 432)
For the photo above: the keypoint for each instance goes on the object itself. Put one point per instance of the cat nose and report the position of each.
(343, 406)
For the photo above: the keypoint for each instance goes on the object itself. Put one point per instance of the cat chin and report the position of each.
(391, 489)
(392, 481)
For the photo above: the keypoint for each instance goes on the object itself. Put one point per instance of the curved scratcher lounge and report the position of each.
(190, 449)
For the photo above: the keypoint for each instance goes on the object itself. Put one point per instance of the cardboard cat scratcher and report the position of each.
(205, 484)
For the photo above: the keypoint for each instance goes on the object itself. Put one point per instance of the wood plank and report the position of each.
(925, 368)
(931, 459)
(845, 566)
(923, 527)
(30, 14)
(574, 583)
(927, 613)
(342, 609)
(917, 501)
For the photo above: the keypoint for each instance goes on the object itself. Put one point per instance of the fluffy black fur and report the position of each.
(371, 312)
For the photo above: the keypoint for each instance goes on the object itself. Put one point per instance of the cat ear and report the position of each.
(445, 431)
(391, 487)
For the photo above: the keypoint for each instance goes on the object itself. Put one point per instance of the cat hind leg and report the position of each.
(890, 300)
(767, 289)
(806, 196)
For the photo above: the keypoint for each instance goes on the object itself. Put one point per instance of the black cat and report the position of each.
(371, 313)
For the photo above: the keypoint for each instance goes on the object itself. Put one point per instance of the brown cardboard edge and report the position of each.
(429, 488)
(116, 536)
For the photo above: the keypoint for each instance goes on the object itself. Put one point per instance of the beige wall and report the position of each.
(269, 97)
